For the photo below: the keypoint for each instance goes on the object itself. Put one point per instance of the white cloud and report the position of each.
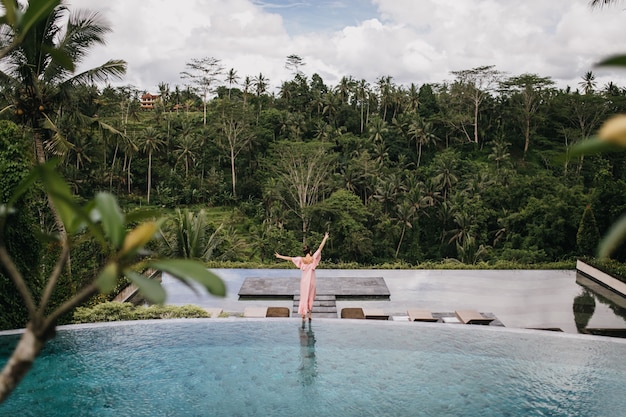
(412, 41)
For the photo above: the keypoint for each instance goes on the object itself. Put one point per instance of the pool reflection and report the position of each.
(598, 310)
(308, 361)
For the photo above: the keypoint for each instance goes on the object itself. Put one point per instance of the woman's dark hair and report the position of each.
(307, 250)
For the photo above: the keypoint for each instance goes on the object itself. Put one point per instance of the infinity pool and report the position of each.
(273, 367)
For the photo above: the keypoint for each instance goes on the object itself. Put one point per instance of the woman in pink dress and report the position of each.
(307, 265)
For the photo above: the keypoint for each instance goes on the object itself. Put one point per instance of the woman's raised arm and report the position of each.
(286, 258)
(323, 242)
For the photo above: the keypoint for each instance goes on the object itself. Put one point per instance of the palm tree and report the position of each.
(186, 150)
(231, 78)
(343, 89)
(499, 153)
(362, 95)
(129, 148)
(413, 98)
(37, 73)
(332, 103)
(247, 87)
(385, 90)
(150, 142)
(445, 178)
(260, 85)
(405, 212)
(588, 83)
(378, 129)
(611, 89)
(421, 132)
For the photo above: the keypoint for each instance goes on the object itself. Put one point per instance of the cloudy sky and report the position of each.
(413, 41)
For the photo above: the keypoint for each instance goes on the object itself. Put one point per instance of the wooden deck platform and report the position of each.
(341, 287)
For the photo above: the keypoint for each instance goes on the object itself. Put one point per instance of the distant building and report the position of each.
(147, 100)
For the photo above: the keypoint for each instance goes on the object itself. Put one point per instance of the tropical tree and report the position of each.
(588, 84)
(421, 133)
(234, 135)
(500, 153)
(526, 93)
(231, 78)
(38, 74)
(188, 235)
(588, 235)
(477, 83)
(345, 214)
(445, 178)
(38, 67)
(293, 63)
(302, 171)
(404, 214)
(150, 142)
(203, 73)
(260, 83)
(186, 149)
(362, 96)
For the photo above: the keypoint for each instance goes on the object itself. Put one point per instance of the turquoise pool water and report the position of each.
(272, 367)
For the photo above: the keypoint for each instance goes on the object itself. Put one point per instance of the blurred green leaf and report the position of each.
(107, 278)
(151, 289)
(25, 185)
(111, 217)
(613, 239)
(618, 60)
(61, 58)
(189, 270)
(37, 10)
(58, 190)
(592, 146)
(22, 21)
(12, 13)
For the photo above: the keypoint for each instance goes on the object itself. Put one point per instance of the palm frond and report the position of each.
(58, 143)
(114, 68)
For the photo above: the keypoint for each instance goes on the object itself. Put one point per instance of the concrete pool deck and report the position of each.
(518, 298)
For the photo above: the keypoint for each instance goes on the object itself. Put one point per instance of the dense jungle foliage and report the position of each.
(473, 169)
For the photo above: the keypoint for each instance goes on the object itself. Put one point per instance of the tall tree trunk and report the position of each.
(476, 123)
(232, 170)
(113, 167)
(400, 242)
(149, 174)
(526, 135)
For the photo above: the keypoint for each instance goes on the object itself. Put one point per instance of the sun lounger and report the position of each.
(421, 315)
(277, 312)
(472, 317)
(375, 314)
(613, 332)
(352, 313)
(254, 312)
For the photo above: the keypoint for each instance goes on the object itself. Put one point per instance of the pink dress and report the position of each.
(307, 282)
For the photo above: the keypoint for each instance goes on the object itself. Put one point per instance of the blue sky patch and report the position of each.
(301, 17)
